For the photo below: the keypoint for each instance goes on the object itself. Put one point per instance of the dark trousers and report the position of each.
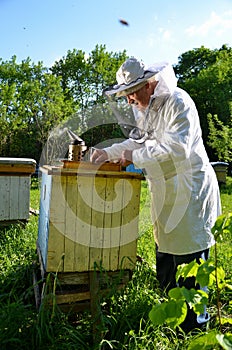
(166, 267)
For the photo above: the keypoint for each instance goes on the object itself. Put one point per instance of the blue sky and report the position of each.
(158, 30)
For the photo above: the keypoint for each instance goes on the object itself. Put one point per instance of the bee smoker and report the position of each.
(77, 147)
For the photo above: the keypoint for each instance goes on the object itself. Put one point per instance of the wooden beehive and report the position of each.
(88, 218)
(15, 176)
(220, 169)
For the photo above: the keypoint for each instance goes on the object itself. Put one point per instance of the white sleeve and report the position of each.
(114, 152)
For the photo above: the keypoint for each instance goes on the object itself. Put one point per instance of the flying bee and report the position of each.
(123, 22)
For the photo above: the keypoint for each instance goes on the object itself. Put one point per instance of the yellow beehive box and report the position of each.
(88, 219)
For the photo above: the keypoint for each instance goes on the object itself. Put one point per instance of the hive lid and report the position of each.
(5, 160)
(85, 171)
(107, 166)
(17, 165)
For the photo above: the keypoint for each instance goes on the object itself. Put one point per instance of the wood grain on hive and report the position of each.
(88, 218)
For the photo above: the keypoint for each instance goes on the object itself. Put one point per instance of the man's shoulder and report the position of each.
(181, 97)
(180, 93)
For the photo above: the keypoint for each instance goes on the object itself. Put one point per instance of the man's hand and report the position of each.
(126, 157)
(99, 156)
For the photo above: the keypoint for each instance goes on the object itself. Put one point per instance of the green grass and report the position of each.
(125, 321)
(226, 195)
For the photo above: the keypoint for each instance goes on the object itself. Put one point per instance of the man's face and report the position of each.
(140, 98)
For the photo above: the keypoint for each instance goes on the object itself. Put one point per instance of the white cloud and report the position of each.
(216, 25)
(164, 35)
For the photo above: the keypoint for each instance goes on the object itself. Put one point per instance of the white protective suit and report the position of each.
(184, 188)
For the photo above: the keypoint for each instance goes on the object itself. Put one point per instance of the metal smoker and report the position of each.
(77, 147)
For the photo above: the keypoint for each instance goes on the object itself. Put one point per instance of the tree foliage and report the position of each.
(31, 103)
(84, 77)
(34, 99)
(190, 63)
(206, 75)
(220, 138)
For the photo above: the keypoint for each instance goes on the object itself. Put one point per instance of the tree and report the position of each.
(84, 77)
(31, 103)
(206, 75)
(220, 138)
(190, 63)
(211, 88)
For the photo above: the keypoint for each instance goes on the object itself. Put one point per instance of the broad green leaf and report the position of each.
(175, 293)
(228, 222)
(204, 342)
(187, 293)
(222, 225)
(218, 226)
(197, 299)
(173, 313)
(176, 312)
(220, 277)
(187, 270)
(204, 274)
(157, 314)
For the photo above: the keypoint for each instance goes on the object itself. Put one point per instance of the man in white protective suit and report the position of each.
(167, 143)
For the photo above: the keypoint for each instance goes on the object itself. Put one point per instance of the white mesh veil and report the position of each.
(165, 76)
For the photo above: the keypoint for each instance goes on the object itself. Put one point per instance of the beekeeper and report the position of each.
(167, 142)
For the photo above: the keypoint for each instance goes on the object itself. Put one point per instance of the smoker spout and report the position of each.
(75, 138)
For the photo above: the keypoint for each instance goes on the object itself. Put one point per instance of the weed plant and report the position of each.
(125, 322)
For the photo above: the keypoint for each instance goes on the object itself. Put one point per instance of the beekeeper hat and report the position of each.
(132, 75)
